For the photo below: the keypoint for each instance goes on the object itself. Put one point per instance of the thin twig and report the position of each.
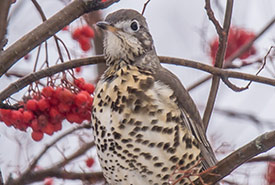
(4, 11)
(144, 6)
(249, 117)
(211, 17)
(78, 153)
(48, 146)
(223, 34)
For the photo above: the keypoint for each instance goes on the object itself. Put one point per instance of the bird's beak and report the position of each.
(107, 26)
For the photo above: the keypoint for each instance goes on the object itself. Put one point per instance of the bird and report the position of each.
(146, 127)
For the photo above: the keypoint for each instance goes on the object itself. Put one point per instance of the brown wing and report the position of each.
(188, 106)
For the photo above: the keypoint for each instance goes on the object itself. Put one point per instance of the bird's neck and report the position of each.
(148, 59)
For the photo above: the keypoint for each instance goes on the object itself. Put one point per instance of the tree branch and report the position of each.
(4, 11)
(219, 60)
(47, 29)
(32, 77)
(54, 171)
(223, 168)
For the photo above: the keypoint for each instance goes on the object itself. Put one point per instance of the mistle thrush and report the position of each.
(145, 124)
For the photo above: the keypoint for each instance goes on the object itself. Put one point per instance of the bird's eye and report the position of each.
(134, 25)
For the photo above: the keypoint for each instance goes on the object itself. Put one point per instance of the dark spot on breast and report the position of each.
(188, 142)
(159, 164)
(135, 78)
(121, 126)
(115, 88)
(116, 135)
(146, 83)
(154, 121)
(131, 121)
(160, 144)
(137, 123)
(145, 142)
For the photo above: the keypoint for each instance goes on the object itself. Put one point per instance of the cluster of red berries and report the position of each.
(45, 112)
(84, 35)
(237, 37)
(270, 175)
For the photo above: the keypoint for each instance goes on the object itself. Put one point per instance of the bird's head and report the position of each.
(126, 36)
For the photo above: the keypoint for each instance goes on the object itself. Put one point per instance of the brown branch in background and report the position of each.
(92, 18)
(224, 167)
(47, 29)
(34, 162)
(1, 179)
(144, 6)
(32, 77)
(267, 158)
(61, 174)
(223, 34)
(249, 117)
(237, 54)
(233, 86)
(4, 11)
(212, 18)
(48, 146)
(78, 153)
(33, 176)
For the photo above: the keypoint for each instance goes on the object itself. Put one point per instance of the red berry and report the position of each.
(37, 136)
(65, 96)
(74, 118)
(85, 43)
(81, 100)
(76, 34)
(32, 105)
(34, 125)
(54, 101)
(27, 116)
(237, 38)
(79, 82)
(48, 181)
(270, 174)
(55, 115)
(16, 117)
(66, 28)
(89, 88)
(85, 114)
(78, 69)
(42, 121)
(87, 31)
(49, 129)
(5, 113)
(48, 91)
(27, 56)
(90, 102)
(63, 107)
(57, 126)
(43, 104)
(89, 162)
